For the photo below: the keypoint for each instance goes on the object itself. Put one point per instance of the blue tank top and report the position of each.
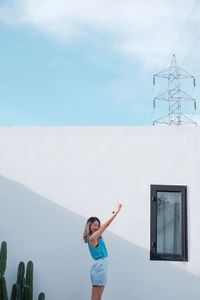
(99, 251)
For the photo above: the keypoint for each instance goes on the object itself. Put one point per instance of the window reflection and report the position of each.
(169, 222)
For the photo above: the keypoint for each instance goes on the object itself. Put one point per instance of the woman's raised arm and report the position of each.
(104, 225)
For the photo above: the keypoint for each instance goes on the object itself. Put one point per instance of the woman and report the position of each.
(93, 236)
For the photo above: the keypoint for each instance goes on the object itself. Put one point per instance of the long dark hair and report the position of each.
(87, 231)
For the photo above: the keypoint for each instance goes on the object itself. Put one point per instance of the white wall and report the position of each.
(85, 170)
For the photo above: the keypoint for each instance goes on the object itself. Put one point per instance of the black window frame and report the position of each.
(153, 223)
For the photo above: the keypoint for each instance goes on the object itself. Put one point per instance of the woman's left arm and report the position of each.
(108, 221)
(113, 215)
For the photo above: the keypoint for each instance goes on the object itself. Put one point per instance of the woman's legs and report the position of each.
(97, 292)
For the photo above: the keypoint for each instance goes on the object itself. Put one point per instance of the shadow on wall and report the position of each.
(35, 228)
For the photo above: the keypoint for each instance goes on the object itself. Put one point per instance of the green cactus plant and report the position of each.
(20, 272)
(23, 288)
(3, 289)
(41, 296)
(3, 260)
(28, 293)
(13, 292)
(29, 281)
(29, 274)
(20, 281)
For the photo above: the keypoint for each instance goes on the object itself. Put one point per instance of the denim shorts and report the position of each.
(98, 272)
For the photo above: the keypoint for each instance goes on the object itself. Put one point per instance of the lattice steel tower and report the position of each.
(174, 96)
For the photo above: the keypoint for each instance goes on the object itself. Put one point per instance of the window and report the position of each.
(168, 223)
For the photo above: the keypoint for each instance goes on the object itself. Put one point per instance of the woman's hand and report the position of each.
(118, 206)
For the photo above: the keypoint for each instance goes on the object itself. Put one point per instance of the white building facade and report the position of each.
(54, 178)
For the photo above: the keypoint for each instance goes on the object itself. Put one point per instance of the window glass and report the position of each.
(169, 222)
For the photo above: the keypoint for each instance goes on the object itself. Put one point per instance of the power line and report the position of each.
(182, 32)
(190, 52)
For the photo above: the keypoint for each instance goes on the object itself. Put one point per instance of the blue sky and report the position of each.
(91, 62)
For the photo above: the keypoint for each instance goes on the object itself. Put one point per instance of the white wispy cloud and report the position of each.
(144, 29)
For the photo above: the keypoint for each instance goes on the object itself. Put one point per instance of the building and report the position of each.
(54, 178)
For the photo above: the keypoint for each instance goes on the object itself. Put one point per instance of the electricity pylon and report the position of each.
(174, 96)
